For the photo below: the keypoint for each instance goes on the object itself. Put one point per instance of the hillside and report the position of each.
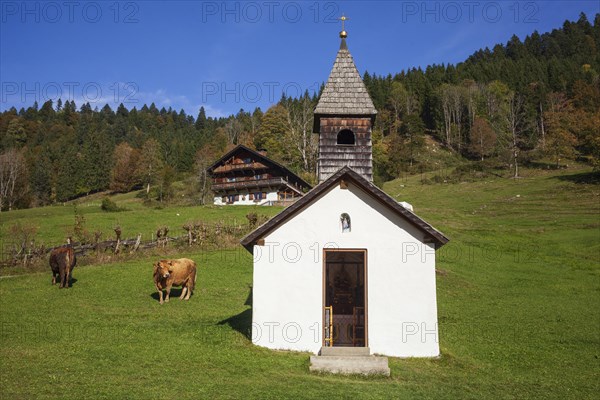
(518, 289)
(54, 223)
(520, 102)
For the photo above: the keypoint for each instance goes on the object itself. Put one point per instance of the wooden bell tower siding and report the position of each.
(344, 118)
(245, 176)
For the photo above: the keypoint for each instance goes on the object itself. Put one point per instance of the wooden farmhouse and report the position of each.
(245, 176)
(346, 270)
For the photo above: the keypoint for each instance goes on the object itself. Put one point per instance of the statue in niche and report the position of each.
(345, 221)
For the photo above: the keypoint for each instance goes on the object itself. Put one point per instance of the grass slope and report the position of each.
(55, 223)
(518, 298)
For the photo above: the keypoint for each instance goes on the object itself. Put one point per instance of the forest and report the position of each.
(532, 102)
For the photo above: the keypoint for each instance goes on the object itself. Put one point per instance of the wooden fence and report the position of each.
(208, 235)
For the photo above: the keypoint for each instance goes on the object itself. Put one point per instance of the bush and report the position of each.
(110, 206)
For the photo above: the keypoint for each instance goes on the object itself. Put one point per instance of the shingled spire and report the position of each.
(344, 117)
(345, 92)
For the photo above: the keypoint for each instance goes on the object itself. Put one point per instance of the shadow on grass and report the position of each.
(242, 322)
(543, 165)
(584, 177)
(175, 293)
(69, 284)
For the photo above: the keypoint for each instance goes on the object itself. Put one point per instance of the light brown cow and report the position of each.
(180, 272)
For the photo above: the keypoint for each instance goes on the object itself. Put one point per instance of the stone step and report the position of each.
(345, 351)
(365, 365)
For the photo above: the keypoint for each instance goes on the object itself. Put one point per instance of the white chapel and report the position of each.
(345, 266)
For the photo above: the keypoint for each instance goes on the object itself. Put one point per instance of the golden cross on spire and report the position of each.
(343, 33)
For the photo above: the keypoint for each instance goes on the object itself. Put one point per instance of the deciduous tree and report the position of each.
(272, 131)
(13, 178)
(482, 138)
(125, 172)
(516, 125)
(151, 163)
(300, 124)
(560, 123)
(204, 159)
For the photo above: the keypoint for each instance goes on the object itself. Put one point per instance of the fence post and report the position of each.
(118, 233)
(137, 243)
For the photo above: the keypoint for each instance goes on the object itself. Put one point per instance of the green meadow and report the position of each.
(55, 223)
(518, 300)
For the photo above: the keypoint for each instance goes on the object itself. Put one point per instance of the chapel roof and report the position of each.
(346, 174)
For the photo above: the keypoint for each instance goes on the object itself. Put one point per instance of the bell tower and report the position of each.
(344, 118)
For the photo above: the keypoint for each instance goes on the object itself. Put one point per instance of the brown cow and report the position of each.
(62, 262)
(180, 272)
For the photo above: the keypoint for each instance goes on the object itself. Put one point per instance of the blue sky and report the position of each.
(231, 55)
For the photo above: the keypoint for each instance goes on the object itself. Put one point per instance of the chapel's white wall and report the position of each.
(286, 299)
(402, 304)
(401, 276)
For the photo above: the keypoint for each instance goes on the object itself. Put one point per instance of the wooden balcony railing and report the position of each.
(239, 166)
(249, 183)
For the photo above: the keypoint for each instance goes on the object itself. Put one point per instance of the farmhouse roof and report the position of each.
(346, 174)
(345, 92)
(259, 157)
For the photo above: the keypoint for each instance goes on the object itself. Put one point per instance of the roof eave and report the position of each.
(433, 234)
(317, 118)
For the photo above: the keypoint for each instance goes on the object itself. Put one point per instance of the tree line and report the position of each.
(531, 100)
(536, 99)
(65, 153)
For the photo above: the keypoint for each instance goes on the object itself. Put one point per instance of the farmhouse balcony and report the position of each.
(250, 183)
(239, 167)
